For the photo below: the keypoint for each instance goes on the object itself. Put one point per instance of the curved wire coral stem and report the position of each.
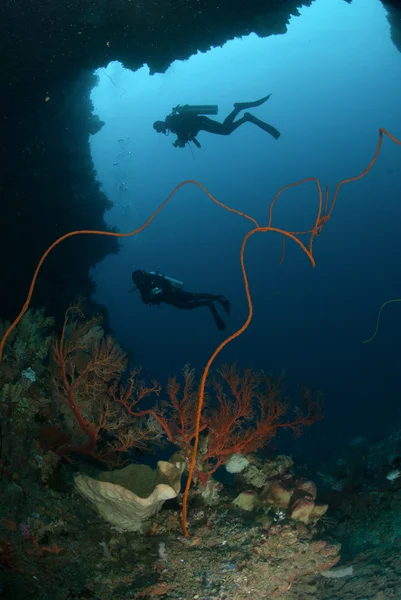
(378, 318)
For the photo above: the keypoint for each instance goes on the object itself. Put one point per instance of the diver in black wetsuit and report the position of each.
(156, 288)
(187, 123)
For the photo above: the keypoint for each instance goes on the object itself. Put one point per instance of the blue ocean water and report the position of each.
(335, 79)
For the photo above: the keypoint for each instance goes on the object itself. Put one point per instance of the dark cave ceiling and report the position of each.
(49, 50)
(45, 40)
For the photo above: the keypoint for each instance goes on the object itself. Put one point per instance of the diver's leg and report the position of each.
(230, 118)
(225, 303)
(244, 105)
(197, 302)
(189, 301)
(202, 296)
(225, 128)
(238, 106)
(228, 125)
(265, 126)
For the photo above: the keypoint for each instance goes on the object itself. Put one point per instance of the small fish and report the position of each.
(395, 469)
(393, 475)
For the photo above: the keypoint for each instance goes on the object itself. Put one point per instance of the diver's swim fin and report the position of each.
(244, 105)
(221, 326)
(265, 126)
(217, 319)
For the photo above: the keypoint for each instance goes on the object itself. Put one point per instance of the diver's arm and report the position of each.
(156, 294)
(152, 296)
(145, 297)
(179, 143)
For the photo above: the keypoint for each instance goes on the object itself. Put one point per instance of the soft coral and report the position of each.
(87, 368)
(247, 411)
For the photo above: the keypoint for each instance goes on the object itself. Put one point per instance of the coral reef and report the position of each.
(24, 392)
(244, 412)
(228, 555)
(256, 472)
(69, 408)
(297, 497)
(282, 493)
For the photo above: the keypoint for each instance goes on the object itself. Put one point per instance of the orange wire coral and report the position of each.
(323, 216)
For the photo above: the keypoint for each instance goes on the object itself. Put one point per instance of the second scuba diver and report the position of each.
(156, 288)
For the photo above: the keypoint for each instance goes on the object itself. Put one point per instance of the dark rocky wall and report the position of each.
(393, 8)
(48, 49)
(48, 188)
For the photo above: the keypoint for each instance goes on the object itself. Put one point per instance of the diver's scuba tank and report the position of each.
(196, 109)
(177, 285)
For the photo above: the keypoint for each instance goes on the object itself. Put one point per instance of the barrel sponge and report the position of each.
(129, 497)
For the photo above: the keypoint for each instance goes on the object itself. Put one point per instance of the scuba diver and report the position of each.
(187, 121)
(156, 288)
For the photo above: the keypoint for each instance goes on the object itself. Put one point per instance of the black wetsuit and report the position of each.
(156, 289)
(186, 126)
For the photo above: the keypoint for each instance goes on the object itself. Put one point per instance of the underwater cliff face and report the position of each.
(49, 51)
(394, 18)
